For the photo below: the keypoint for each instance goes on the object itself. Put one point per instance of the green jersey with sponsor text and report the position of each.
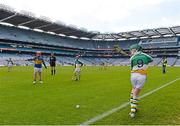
(78, 63)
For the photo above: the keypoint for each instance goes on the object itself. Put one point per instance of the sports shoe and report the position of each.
(41, 82)
(132, 114)
(34, 82)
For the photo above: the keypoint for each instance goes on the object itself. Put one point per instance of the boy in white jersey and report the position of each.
(10, 64)
(139, 64)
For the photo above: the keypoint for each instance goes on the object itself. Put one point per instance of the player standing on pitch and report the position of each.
(77, 72)
(38, 61)
(164, 64)
(52, 62)
(10, 64)
(139, 65)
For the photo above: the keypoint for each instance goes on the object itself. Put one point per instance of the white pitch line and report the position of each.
(107, 113)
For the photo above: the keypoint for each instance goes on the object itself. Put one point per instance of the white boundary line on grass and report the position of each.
(107, 113)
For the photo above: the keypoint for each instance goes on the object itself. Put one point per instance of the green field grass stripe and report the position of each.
(165, 85)
(107, 113)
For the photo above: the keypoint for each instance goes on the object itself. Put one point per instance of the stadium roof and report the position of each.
(140, 34)
(28, 20)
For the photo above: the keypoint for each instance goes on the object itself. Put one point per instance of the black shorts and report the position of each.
(52, 64)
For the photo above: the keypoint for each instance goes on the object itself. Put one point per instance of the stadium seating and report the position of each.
(92, 47)
(13, 33)
(177, 63)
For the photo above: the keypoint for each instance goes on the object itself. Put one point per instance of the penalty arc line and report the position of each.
(107, 113)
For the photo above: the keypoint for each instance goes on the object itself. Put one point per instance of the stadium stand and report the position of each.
(28, 42)
(21, 35)
(177, 63)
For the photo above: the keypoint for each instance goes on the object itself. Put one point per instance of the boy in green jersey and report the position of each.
(139, 65)
(77, 72)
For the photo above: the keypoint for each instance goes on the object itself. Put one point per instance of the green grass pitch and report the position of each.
(54, 102)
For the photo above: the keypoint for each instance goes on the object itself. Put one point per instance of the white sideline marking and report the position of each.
(107, 113)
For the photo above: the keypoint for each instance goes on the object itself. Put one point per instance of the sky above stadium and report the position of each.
(105, 15)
